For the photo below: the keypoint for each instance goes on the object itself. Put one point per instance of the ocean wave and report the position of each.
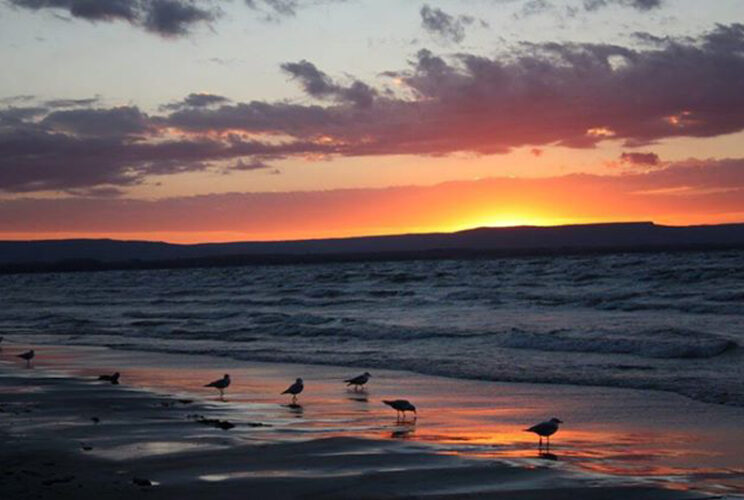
(663, 344)
(391, 293)
(181, 315)
(632, 376)
(662, 321)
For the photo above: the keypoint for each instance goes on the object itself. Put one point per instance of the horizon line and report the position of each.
(380, 235)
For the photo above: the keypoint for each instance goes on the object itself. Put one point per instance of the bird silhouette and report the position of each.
(400, 406)
(545, 430)
(358, 381)
(28, 356)
(114, 378)
(295, 389)
(220, 384)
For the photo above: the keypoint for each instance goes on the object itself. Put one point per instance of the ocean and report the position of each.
(666, 321)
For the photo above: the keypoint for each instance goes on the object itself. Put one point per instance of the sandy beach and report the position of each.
(66, 435)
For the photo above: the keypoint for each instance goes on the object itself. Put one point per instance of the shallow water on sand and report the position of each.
(629, 435)
(668, 321)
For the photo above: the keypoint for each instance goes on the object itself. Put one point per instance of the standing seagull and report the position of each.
(545, 430)
(28, 356)
(401, 405)
(220, 384)
(295, 389)
(358, 381)
(114, 379)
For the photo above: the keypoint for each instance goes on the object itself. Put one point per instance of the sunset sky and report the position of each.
(221, 120)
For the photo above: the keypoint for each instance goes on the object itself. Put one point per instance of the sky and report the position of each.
(224, 120)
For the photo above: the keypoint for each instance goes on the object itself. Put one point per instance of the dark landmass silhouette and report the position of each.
(85, 255)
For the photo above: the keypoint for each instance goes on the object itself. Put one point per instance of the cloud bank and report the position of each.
(570, 94)
(168, 18)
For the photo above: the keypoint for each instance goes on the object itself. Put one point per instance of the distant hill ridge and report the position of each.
(20, 256)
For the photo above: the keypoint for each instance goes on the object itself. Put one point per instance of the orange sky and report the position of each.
(677, 195)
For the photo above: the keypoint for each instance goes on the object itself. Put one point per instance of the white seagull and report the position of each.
(358, 381)
(295, 389)
(28, 356)
(220, 384)
(545, 429)
(400, 406)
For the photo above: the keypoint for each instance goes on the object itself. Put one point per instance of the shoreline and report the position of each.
(108, 342)
(468, 426)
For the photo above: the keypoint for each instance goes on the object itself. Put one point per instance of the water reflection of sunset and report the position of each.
(480, 420)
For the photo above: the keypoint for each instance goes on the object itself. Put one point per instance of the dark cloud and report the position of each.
(20, 117)
(640, 159)
(197, 100)
(277, 9)
(115, 122)
(575, 95)
(39, 159)
(71, 103)
(535, 7)
(280, 7)
(642, 5)
(97, 192)
(174, 17)
(92, 10)
(318, 84)
(246, 165)
(202, 100)
(164, 17)
(444, 26)
(16, 99)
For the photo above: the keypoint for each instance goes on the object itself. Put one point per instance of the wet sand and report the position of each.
(468, 440)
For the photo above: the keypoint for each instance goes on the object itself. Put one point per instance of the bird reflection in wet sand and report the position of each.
(295, 409)
(546, 455)
(405, 431)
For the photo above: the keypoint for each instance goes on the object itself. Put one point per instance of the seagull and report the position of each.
(545, 429)
(400, 405)
(295, 389)
(220, 384)
(114, 379)
(28, 356)
(358, 381)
